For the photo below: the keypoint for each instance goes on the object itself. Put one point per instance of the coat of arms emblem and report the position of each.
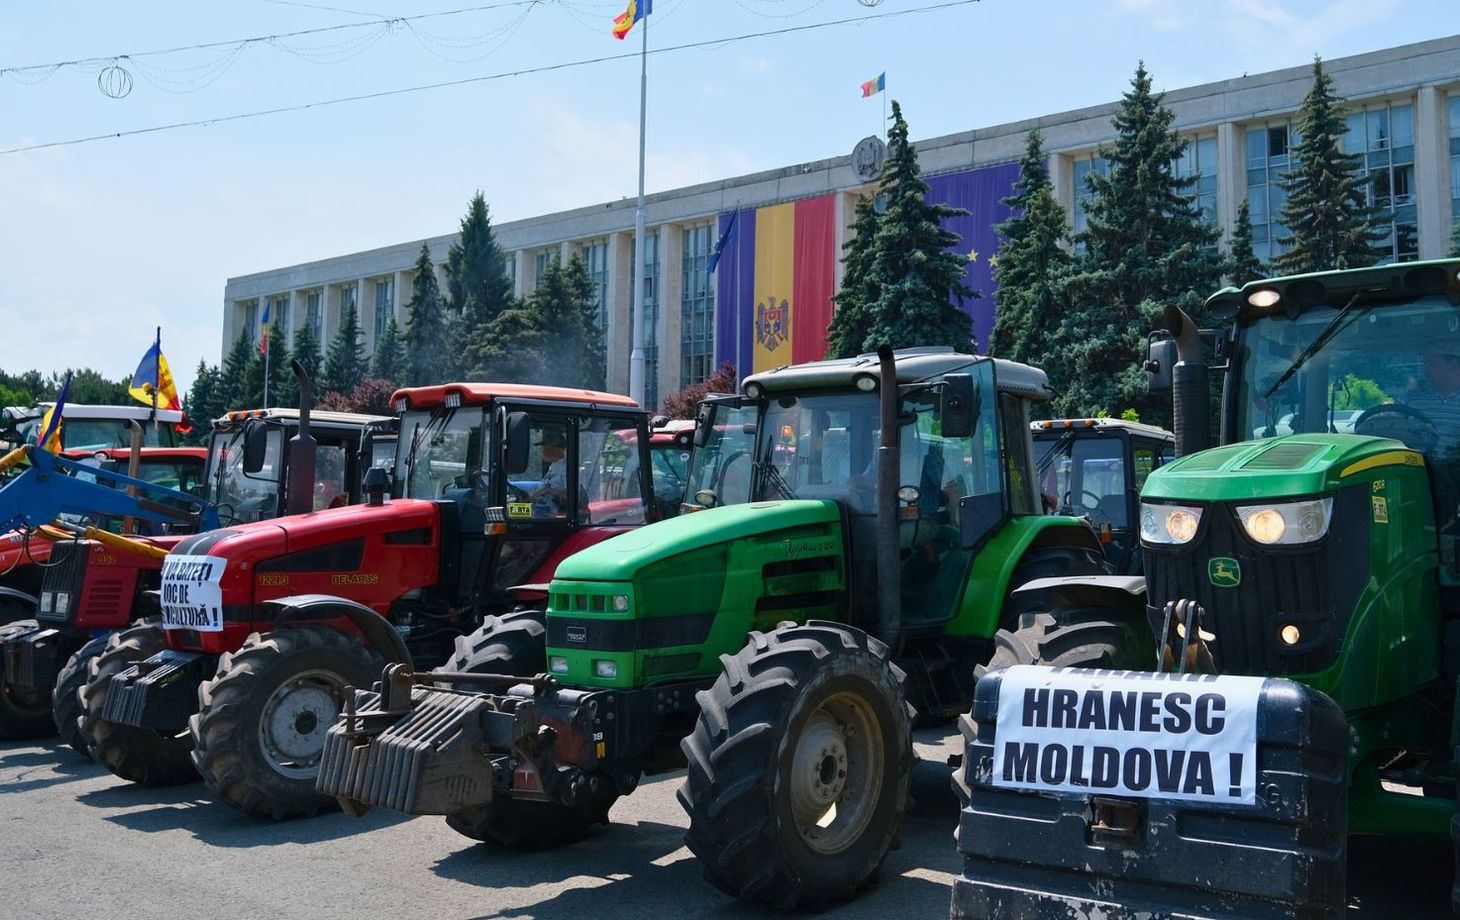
(772, 323)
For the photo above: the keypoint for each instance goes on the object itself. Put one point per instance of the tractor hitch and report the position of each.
(415, 748)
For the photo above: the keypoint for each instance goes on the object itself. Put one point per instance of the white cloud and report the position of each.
(1272, 27)
(757, 66)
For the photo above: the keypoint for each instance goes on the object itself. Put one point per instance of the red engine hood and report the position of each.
(297, 533)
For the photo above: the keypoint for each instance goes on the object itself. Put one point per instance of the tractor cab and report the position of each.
(813, 431)
(1094, 468)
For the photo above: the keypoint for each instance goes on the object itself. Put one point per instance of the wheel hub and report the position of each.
(835, 771)
(295, 721)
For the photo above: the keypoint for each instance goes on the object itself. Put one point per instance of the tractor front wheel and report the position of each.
(799, 766)
(262, 718)
(141, 755)
(23, 713)
(515, 644)
(66, 696)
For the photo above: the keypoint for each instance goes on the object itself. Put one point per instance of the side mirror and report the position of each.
(255, 444)
(704, 423)
(1160, 359)
(958, 406)
(517, 443)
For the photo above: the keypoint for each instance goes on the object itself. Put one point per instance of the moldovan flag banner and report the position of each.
(51, 423)
(153, 375)
(774, 284)
(264, 330)
(875, 86)
(625, 21)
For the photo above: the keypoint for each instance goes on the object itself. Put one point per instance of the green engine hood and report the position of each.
(1301, 464)
(623, 557)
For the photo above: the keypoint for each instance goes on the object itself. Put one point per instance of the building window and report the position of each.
(542, 264)
(595, 260)
(509, 268)
(1267, 163)
(280, 330)
(384, 304)
(313, 315)
(651, 311)
(1454, 112)
(1383, 135)
(697, 307)
(1199, 162)
(251, 320)
(349, 300)
(1083, 193)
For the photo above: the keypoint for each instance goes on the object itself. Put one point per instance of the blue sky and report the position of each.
(102, 241)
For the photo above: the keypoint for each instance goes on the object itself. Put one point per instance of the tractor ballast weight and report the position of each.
(1051, 855)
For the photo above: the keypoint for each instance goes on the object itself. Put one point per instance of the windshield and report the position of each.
(99, 433)
(242, 497)
(438, 450)
(1390, 371)
(1084, 476)
(670, 469)
(720, 470)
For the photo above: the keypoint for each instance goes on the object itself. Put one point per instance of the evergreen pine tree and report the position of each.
(580, 312)
(231, 391)
(1243, 265)
(426, 325)
(306, 351)
(1327, 212)
(1032, 264)
(344, 367)
(476, 274)
(510, 347)
(390, 354)
(917, 276)
(200, 402)
(846, 337)
(1146, 246)
(1455, 240)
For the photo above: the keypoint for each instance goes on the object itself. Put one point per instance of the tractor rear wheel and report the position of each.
(140, 755)
(798, 766)
(24, 713)
(66, 697)
(260, 726)
(516, 644)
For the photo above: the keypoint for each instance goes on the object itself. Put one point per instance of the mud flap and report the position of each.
(1037, 854)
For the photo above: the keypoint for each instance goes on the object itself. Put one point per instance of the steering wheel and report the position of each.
(1094, 504)
(1423, 436)
(517, 494)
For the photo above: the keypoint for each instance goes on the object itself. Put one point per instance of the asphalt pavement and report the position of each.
(75, 842)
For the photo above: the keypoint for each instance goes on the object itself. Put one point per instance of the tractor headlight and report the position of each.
(1287, 523)
(63, 602)
(608, 670)
(1170, 524)
(558, 664)
(621, 603)
(48, 601)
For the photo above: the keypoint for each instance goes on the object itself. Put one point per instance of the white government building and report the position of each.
(1404, 118)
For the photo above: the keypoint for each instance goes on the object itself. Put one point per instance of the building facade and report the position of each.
(768, 300)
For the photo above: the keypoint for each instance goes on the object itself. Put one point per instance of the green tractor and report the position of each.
(1317, 544)
(847, 550)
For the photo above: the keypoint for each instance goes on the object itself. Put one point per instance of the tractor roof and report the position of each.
(148, 454)
(1394, 281)
(913, 365)
(84, 411)
(351, 420)
(481, 394)
(1061, 425)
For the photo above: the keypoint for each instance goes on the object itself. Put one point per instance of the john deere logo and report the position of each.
(1224, 572)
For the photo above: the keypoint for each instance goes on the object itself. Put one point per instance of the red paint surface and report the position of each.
(815, 263)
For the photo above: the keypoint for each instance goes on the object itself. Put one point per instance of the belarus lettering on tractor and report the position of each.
(1094, 468)
(264, 624)
(90, 588)
(1321, 560)
(852, 553)
(24, 553)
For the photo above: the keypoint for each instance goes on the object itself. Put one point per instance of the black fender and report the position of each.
(378, 632)
(1126, 593)
(23, 597)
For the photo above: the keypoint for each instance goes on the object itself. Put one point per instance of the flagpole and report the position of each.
(156, 382)
(637, 328)
(267, 349)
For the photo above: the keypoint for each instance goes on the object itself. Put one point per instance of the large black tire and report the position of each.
(23, 713)
(262, 718)
(13, 609)
(66, 697)
(1049, 562)
(139, 755)
(803, 724)
(516, 645)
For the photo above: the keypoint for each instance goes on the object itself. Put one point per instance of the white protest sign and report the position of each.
(1190, 737)
(192, 597)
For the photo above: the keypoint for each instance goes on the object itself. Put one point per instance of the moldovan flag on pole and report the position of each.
(795, 257)
(875, 86)
(637, 10)
(50, 436)
(264, 330)
(153, 376)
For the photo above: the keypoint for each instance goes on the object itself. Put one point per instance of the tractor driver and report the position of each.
(1438, 398)
(550, 498)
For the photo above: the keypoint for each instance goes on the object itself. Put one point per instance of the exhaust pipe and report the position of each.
(1191, 416)
(889, 574)
(300, 484)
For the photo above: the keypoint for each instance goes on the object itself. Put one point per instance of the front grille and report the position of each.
(1313, 588)
(64, 574)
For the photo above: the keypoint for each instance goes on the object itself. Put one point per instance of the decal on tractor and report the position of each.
(1224, 571)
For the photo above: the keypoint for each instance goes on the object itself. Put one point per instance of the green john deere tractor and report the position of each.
(1318, 543)
(848, 551)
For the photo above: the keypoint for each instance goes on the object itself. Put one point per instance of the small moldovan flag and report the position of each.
(875, 86)
(637, 10)
(50, 437)
(264, 330)
(153, 384)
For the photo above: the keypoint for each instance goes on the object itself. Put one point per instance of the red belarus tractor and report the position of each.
(89, 588)
(265, 625)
